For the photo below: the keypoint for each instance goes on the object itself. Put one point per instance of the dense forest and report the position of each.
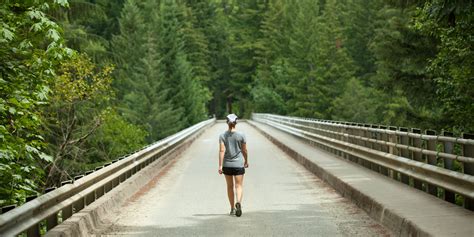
(86, 81)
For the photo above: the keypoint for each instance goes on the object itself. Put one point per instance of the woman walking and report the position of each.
(232, 162)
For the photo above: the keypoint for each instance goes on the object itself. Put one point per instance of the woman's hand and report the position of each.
(220, 170)
(246, 165)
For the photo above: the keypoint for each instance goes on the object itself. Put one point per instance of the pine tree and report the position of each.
(127, 48)
(401, 59)
(218, 35)
(245, 21)
(270, 92)
(145, 97)
(359, 31)
(180, 78)
(335, 66)
(305, 85)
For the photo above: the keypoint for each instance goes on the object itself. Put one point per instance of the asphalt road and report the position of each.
(281, 198)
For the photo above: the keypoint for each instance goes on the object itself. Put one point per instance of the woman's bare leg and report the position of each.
(239, 180)
(230, 189)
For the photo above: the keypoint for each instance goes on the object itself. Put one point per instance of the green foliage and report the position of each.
(218, 35)
(356, 104)
(31, 46)
(116, 137)
(452, 24)
(81, 92)
(267, 101)
(163, 65)
(183, 77)
(245, 19)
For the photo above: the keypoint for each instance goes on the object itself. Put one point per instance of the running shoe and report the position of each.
(232, 212)
(238, 209)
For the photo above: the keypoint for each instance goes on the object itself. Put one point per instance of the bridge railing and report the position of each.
(47, 210)
(440, 165)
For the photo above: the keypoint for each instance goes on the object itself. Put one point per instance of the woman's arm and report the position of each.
(244, 152)
(221, 156)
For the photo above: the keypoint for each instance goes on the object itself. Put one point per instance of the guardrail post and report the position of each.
(404, 140)
(353, 132)
(99, 192)
(367, 135)
(90, 198)
(377, 136)
(33, 231)
(122, 177)
(393, 150)
(333, 136)
(417, 142)
(375, 146)
(468, 150)
(448, 164)
(384, 137)
(341, 130)
(347, 130)
(432, 160)
(52, 221)
(66, 212)
(79, 205)
(361, 133)
(108, 186)
(115, 182)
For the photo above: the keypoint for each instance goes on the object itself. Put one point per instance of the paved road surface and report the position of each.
(281, 198)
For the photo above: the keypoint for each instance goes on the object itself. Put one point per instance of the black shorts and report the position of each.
(233, 171)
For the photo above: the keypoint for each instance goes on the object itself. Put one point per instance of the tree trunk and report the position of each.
(229, 104)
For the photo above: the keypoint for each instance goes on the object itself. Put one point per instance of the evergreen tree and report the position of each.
(128, 48)
(180, 78)
(245, 19)
(334, 65)
(218, 35)
(306, 86)
(270, 92)
(402, 56)
(359, 31)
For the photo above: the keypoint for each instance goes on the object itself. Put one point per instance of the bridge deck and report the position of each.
(280, 198)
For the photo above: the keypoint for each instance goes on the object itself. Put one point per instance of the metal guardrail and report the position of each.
(424, 161)
(58, 205)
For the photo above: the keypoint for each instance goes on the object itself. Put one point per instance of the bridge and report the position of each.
(306, 178)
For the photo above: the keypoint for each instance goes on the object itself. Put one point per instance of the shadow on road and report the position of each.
(307, 220)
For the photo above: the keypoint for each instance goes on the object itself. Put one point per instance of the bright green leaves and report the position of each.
(78, 80)
(6, 33)
(53, 34)
(63, 3)
(36, 15)
(46, 157)
(26, 72)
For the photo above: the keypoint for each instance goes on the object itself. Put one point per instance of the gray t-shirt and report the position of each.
(233, 156)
